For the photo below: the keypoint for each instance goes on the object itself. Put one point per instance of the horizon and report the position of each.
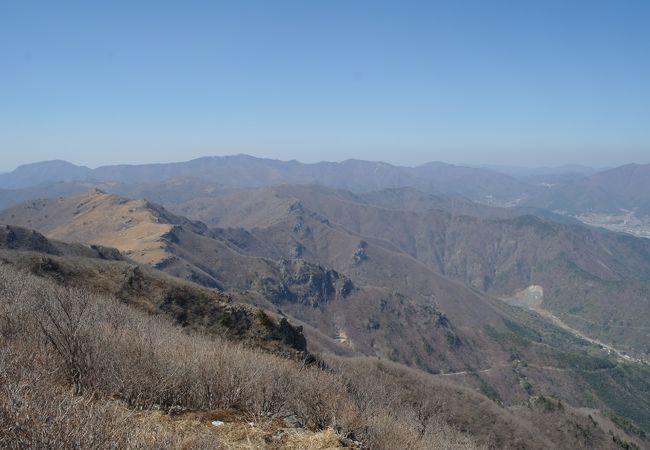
(494, 167)
(505, 83)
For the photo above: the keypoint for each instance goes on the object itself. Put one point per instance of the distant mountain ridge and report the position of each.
(525, 172)
(611, 191)
(43, 172)
(246, 171)
(573, 190)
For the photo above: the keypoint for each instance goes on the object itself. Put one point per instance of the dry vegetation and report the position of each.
(81, 370)
(95, 217)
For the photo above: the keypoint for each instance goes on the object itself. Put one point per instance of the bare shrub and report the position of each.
(72, 357)
(17, 292)
(65, 318)
(37, 413)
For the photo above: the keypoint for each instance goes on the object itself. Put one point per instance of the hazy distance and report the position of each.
(503, 83)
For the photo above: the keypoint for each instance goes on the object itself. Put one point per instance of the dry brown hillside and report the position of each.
(358, 294)
(135, 227)
(439, 323)
(136, 381)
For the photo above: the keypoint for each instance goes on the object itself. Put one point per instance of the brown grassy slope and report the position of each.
(441, 326)
(415, 295)
(130, 361)
(189, 305)
(144, 232)
(135, 227)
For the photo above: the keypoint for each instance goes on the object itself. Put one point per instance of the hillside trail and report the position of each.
(533, 366)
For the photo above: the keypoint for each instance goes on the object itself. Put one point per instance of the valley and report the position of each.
(418, 279)
(532, 298)
(628, 222)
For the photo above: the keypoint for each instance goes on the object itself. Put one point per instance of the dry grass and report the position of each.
(36, 412)
(83, 370)
(98, 218)
(107, 220)
(243, 436)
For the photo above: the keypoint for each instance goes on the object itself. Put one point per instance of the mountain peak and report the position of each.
(43, 172)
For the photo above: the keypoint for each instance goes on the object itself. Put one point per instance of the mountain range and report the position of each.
(246, 171)
(416, 266)
(572, 189)
(415, 287)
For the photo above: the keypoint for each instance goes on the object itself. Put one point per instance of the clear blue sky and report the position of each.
(521, 82)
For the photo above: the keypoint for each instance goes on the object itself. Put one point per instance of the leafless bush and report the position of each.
(399, 407)
(66, 318)
(17, 292)
(107, 351)
(37, 413)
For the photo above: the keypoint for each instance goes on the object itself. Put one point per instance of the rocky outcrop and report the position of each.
(304, 283)
(236, 321)
(18, 238)
(360, 255)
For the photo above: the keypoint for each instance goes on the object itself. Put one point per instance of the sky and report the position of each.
(527, 82)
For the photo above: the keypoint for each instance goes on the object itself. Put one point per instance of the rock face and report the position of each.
(132, 226)
(304, 283)
(360, 255)
(23, 239)
(17, 238)
(292, 336)
(237, 321)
